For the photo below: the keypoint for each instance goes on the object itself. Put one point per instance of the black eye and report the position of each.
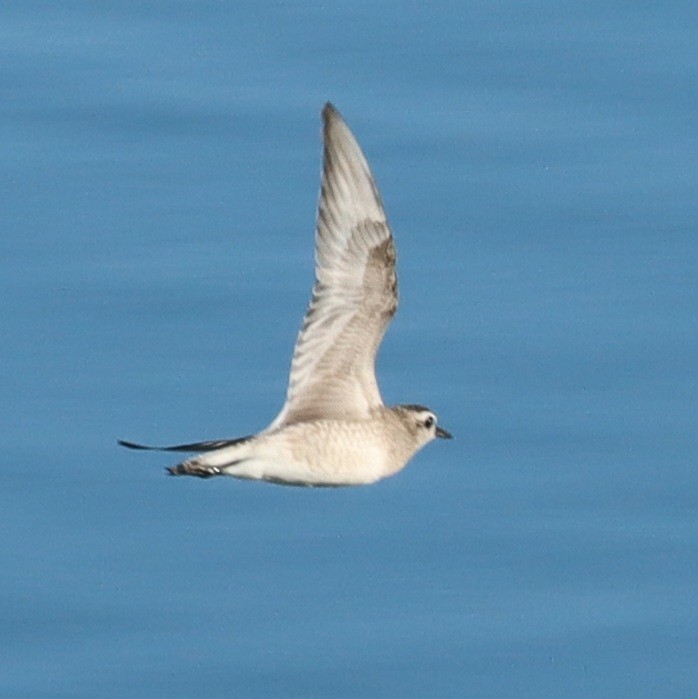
(429, 422)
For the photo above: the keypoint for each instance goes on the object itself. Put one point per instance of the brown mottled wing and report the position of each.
(355, 292)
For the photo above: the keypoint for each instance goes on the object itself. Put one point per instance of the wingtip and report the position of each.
(128, 445)
(331, 115)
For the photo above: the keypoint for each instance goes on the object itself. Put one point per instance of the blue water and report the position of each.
(159, 172)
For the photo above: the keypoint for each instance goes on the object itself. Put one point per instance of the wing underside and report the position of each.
(355, 291)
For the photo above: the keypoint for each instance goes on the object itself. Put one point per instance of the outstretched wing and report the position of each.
(189, 448)
(355, 292)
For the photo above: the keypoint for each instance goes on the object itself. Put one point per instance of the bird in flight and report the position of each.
(334, 429)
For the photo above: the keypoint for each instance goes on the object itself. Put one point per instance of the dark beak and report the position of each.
(442, 433)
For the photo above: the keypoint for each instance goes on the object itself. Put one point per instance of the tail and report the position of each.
(218, 455)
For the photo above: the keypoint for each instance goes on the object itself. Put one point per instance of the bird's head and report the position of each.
(421, 423)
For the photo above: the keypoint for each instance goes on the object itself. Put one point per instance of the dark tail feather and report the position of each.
(191, 448)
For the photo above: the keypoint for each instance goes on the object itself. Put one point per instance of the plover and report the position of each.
(334, 429)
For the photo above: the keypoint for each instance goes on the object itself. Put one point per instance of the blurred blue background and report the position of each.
(159, 169)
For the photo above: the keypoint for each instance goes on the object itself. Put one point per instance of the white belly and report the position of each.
(315, 454)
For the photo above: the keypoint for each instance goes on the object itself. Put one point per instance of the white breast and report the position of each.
(324, 452)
